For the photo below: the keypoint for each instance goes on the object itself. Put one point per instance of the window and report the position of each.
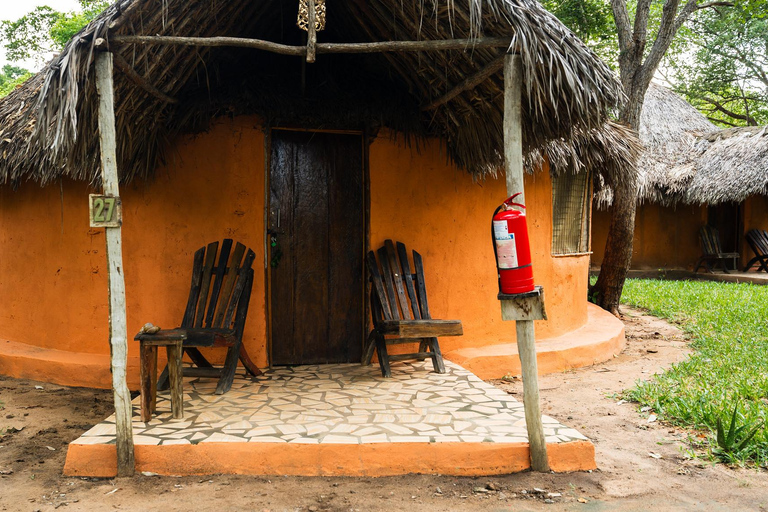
(570, 213)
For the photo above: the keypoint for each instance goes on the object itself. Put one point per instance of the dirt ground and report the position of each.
(643, 466)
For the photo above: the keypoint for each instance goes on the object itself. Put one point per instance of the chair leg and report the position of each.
(698, 265)
(175, 378)
(381, 348)
(248, 363)
(228, 372)
(370, 346)
(437, 356)
(423, 345)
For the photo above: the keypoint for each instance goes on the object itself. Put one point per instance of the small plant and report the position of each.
(733, 442)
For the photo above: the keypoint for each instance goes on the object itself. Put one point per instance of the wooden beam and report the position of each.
(526, 337)
(469, 83)
(122, 65)
(284, 49)
(311, 31)
(118, 329)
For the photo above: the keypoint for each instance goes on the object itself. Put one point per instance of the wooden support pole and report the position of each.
(118, 329)
(311, 31)
(513, 125)
(526, 343)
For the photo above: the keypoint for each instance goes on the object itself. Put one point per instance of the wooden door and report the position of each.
(725, 218)
(317, 236)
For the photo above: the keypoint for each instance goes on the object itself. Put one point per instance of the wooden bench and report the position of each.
(758, 241)
(400, 310)
(713, 251)
(214, 317)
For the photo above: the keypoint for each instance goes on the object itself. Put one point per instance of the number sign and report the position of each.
(106, 211)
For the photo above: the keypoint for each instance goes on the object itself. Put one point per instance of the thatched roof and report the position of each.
(688, 159)
(48, 127)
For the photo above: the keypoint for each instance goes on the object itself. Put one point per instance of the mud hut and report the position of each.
(692, 173)
(209, 121)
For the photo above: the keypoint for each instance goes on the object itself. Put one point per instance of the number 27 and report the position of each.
(99, 207)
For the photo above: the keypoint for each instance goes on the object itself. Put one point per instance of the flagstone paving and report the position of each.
(342, 404)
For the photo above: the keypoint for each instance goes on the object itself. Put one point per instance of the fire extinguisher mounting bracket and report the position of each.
(523, 306)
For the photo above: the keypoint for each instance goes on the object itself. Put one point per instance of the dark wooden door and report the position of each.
(725, 218)
(317, 223)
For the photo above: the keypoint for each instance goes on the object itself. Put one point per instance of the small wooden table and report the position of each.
(148, 353)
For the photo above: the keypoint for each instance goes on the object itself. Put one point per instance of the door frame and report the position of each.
(366, 173)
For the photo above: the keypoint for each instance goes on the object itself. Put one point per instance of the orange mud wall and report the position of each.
(665, 237)
(53, 280)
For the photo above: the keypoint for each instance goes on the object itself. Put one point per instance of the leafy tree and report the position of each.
(644, 31)
(725, 73)
(11, 77)
(45, 30)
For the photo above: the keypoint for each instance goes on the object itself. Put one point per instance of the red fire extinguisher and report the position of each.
(511, 247)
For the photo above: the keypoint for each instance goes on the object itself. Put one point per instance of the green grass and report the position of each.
(728, 325)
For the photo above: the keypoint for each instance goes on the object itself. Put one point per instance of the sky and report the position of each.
(15, 9)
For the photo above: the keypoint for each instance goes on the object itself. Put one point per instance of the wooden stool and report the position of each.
(148, 367)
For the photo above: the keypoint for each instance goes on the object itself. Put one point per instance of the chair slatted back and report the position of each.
(396, 292)
(758, 241)
(710, 240)
(217, 286)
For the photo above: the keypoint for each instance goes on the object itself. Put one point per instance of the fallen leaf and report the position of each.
(39, 387)
(646, 408)
(581, 500)
(651, 418)
(654, 455)
(113, 491)
(51, 448)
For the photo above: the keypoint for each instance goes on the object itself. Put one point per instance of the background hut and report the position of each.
(692, 173)
(201, 131)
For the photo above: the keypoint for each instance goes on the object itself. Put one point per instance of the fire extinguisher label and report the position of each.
(506, 245)
(500, 230)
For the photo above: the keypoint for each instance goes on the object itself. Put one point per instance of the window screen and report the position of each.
(570, 213)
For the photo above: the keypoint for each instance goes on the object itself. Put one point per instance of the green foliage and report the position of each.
(727, 323)
(592, 21)
(45, 30)
(11, 77)
(730, 444)
(718, 61)
(724, 73)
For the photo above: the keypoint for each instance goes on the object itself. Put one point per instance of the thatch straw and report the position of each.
(688, 159)
(49, 126)
(669, 129)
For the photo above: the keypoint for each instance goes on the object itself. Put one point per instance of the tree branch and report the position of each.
(714, 4)
(730, 113)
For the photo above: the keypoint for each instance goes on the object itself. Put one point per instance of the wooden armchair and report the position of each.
(713, 251)
(758, 241)
(401, 318)
(214, 317)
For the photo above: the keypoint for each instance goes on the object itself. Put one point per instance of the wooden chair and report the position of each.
(713, 251)
(758, 241)
(401, 318)
(214, 317)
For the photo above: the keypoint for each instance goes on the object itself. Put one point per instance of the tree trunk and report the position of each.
(618, 247)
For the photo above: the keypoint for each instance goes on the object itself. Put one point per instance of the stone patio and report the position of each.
(339, 405)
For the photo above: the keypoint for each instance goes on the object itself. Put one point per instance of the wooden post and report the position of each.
(526, 346)
(311, 31)
(118, 329)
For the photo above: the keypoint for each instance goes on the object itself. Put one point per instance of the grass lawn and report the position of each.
(728, 324)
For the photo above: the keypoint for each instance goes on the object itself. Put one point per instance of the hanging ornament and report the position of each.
(303, 20)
